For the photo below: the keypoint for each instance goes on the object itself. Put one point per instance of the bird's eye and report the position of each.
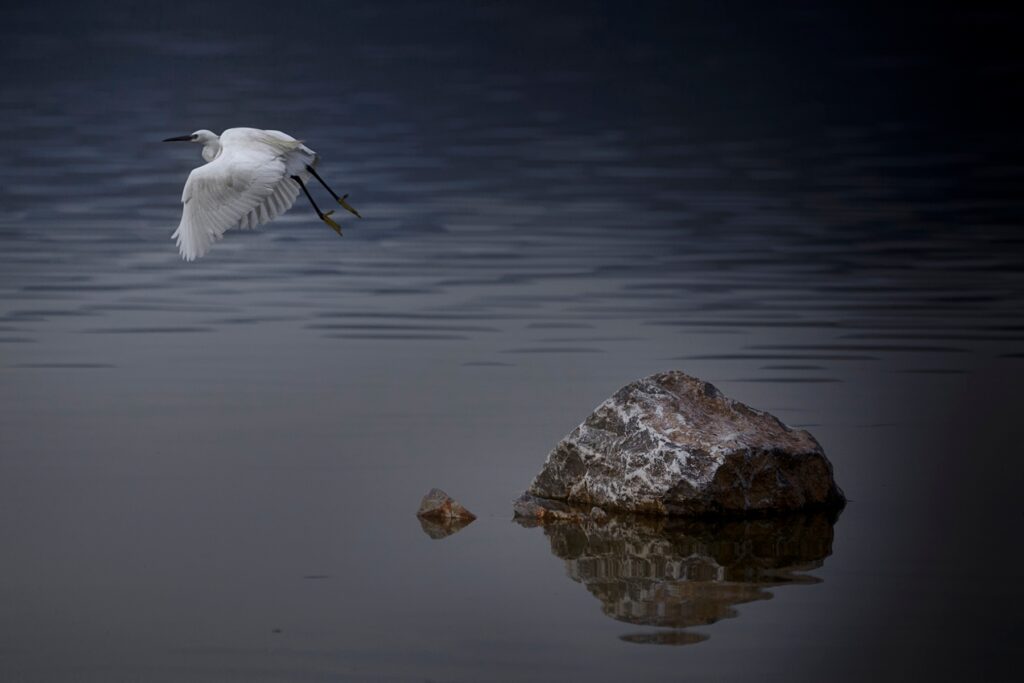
(194, 136)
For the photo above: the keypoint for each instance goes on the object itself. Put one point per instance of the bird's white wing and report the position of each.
(222, 194)
(297, 157)
(277, 202)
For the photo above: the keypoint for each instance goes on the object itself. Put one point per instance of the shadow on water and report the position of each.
(675, 574)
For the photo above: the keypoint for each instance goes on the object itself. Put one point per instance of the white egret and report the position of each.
(250, 177)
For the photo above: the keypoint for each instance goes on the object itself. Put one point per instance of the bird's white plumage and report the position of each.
(247, 183)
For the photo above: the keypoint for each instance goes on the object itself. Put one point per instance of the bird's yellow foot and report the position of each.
(326, 218)
(348, 207)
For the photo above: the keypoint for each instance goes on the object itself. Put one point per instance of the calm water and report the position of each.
(209, 471)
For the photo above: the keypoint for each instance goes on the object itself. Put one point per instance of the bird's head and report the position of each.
(202, 136)
(208, 139)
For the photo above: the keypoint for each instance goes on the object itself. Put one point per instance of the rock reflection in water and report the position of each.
(675, 574)
(438, 529)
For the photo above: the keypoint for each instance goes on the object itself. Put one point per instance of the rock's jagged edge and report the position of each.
(671, 444)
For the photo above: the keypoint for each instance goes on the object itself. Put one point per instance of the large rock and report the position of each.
(673, 444)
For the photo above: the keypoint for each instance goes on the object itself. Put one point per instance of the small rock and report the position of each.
(438, 505)
(598, 515)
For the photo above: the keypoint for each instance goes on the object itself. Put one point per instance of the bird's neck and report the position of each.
(211, 150)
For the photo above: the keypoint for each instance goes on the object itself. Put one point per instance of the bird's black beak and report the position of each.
(180, 138)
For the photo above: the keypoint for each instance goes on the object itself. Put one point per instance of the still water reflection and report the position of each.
(438, 529)
(674, 574)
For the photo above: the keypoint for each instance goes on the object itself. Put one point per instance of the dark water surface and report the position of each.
(208, 471)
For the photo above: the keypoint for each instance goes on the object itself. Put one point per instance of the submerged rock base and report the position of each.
(671, 444)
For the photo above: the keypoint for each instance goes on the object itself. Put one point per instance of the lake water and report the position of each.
(209, 471)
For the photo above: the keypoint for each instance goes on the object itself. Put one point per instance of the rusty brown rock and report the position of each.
(438, 505)
(671, 444)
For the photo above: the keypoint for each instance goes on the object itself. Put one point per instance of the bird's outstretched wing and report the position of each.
(245, 186)
(274, 204)
(296, 157)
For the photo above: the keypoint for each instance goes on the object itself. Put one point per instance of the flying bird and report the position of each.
(250, 177)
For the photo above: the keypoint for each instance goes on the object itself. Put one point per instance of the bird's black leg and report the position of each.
(340, 200)
(325, 217)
